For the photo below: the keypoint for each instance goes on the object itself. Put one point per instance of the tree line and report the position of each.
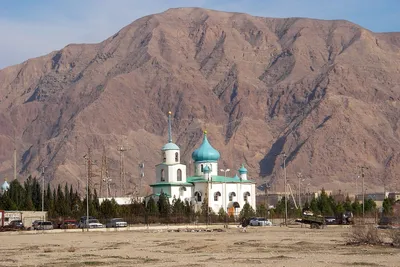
(64, 202)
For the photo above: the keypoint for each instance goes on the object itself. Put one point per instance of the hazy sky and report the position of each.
(31, 28)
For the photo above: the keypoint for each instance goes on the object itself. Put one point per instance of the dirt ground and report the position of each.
(266, 246)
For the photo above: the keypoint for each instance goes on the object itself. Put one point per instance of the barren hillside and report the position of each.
(324, 92)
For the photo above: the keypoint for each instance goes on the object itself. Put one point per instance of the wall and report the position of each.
(170, 172)
(212, 165)
(225, 189)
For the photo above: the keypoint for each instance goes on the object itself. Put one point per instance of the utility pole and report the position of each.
(141, 175)
(285, 182)
(121, 150)
(43, 188)
(103, 170)
(88, 183)
(363, 191)
(299, 175)
(15, 163)
(267, 187)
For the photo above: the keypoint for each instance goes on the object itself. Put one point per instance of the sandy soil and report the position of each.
(271, 246)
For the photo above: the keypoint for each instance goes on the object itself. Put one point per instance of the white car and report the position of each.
(260, 222)
(116, 222)
(92, 223)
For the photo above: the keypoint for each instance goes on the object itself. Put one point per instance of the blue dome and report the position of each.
(170, 146)
(242, 169)
(5, 186)
(205, 152)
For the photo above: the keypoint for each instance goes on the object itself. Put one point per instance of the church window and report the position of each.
(176, 157)
(197, 196)
(231, 195)
(182, 191)
(164, 157)
(246, 196)
(216, 195)
(201, 167)
(162, 175)
(179, 175)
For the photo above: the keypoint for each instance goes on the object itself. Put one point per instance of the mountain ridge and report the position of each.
(261, 86)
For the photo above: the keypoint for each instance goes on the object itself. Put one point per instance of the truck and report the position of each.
(315, 221)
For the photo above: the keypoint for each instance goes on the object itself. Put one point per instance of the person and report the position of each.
(245, 223)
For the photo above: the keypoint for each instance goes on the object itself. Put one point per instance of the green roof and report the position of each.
(157, 195)
(218, 179)
(170, 146)
(171, 184)
(205, 152)
(242, 169)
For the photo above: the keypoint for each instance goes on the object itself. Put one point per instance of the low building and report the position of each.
(27, 217)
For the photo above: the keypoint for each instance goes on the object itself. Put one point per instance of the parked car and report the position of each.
(116, 222)
(44, 226)
(16, 224)
(34, 223)
(91, 223)
(330, 220)
(83, 220)
(260, 222)
(69, 224)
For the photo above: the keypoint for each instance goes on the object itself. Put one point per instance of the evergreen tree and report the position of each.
(323, 204)
(67, 200)
(356, 207)
(347, 204)
(37, 194)
(151, 207)
(164, 207)
(17, 194)
(370, 206)
(261, 211)
(221, 215)
(314, 206)
(60, 202)
(387, 206)
(247, 211)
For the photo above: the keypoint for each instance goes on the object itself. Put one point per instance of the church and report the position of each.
(172, 179)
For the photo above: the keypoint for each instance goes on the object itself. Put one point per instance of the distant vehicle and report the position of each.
(16, 224)
(116, 222)
(83, 220)
(389, 223)
(260, 222)
(330, 220)
(44, 226)
(34, 223)
(91, 223)
(69, 224)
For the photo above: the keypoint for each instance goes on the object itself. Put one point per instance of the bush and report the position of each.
(364, 235)
(395, 236)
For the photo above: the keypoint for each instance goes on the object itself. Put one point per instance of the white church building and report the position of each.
(172, 179)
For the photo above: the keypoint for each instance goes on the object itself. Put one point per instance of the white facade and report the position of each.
(170, 173)
(229, 193)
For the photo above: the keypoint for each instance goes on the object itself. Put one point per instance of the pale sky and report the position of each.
(31, 28)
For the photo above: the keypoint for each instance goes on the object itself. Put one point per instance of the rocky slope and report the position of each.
(324, 92)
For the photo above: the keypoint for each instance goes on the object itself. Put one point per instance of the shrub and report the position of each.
(368, 235)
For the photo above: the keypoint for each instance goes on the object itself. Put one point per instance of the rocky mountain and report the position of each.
(326, 93)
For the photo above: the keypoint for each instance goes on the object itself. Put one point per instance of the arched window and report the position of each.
(216, 195)
(182, 191)
(201, 167)
(246, 196)
(231, 195)
(179, 175)
(162, 175)
(164, 157)
(197, 196)
(176, 157)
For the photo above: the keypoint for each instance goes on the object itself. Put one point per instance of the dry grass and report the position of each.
(71, 249)
(364, 235)
(395, 236)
